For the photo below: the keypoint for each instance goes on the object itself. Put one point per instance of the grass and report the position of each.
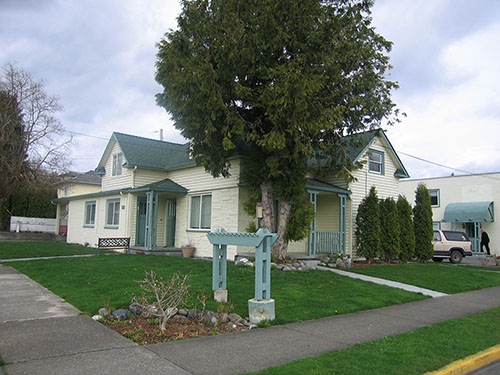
(416, 352)
(443, 277)
(91, 283)
(13, 250)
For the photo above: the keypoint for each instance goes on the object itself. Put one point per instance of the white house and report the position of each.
(152, 192)
(464, 203)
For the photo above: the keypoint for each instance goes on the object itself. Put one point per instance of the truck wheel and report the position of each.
(455, 257)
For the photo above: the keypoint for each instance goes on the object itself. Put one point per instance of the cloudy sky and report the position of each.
(98, 56)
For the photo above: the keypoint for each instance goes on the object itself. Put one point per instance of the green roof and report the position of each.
(148, 153)
(163, 186)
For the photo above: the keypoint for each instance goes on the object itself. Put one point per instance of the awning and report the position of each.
(469, 212)
(163, 186)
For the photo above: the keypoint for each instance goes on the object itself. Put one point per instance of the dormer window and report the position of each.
(117, 164)
(376, 162)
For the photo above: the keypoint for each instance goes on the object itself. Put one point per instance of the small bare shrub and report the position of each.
(165, 296)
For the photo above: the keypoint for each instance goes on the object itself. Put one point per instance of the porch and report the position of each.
(328, 229)
(167, 250)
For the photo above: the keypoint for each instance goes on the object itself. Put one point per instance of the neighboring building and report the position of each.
(465, 203)
(154, 193)
(73, 184)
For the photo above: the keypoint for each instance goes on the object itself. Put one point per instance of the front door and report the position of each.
(170, 222)
(140, 234)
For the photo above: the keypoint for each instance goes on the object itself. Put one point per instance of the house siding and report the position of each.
(110, 182)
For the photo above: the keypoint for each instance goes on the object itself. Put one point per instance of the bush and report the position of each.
(389, 225)
(422, 223)
(406, 230)
(368, 227)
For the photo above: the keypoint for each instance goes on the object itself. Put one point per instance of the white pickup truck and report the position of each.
(451, 245)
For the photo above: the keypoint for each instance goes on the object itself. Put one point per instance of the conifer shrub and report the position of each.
(406, 230)
(389, 227)
(368, 227)
(422, 223)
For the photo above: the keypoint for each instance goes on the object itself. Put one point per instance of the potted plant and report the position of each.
(188, 249)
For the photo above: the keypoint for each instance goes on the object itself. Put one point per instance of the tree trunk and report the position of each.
(266, 189)
(281, 246)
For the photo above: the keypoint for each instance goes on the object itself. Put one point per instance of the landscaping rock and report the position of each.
(103, 311)
(244, 262)
(194, 314)
(97, 317)
(120, 314)
(136, 308)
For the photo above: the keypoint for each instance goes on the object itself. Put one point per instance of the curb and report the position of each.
(471, 363)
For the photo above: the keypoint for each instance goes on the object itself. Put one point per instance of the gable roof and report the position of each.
(358, 144)
(147, 153)
(86, 178)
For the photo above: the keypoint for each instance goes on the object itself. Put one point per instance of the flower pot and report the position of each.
(188, 251)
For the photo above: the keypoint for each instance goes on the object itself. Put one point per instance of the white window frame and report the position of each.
(113, 213)
(117, 164)
(200, 212)
(435, 193)
(376, 162)
(90, 212)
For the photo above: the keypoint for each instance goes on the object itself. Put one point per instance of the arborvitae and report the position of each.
(389, 226)
(368, 227)
(422, 222)
(406, 230)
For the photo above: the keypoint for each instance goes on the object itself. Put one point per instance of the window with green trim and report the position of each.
(117, 164)
(90, 208)
(376, 162)
(201, 212)
(113, 212)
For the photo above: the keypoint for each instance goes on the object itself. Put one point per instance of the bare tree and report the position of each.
(46, 143)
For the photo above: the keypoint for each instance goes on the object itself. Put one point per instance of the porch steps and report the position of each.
(169, 251)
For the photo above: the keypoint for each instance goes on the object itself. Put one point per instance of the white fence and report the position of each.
(32, 224)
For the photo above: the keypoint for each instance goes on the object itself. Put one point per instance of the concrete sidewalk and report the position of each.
(42, 334)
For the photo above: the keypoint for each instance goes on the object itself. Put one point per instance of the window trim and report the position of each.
(116, 208)
(90, 223)
(438, 197)
(199, 213)
(380, 163)
(117, 168)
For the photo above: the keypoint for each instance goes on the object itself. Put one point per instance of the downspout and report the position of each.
(133, 177)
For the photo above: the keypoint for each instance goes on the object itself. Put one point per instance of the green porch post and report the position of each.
(342, 221)
(151, 215)
(312, 245)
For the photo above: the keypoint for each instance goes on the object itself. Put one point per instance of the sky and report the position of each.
(98, 57)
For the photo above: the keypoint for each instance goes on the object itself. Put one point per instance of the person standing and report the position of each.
(485, 241)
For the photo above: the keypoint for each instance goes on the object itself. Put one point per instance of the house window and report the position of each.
(434, 193)
(201, 212)
(113, 213)
(90, 213)
(376, 162)
(117, 164)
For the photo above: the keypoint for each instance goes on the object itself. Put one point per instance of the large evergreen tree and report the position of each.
(422, 221)
(406, 230)
(368, 227)
(279, 83)
(389, 230)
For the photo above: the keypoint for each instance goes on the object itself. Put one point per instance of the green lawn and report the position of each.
(443, 277)
(416, 352)
(91, 283)
(13, 250)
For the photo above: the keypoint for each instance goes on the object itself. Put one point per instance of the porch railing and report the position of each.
(327, 242)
